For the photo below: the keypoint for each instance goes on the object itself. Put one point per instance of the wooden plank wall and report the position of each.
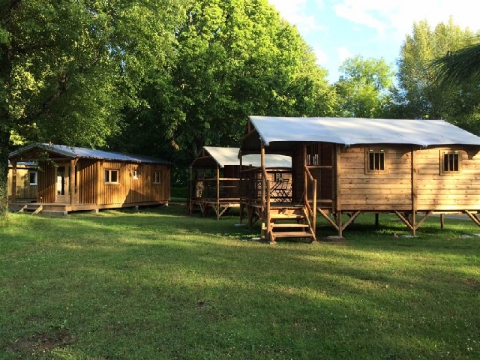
(456, 191)
(298, 173)
(389, 190)
(86, 181)
(392, 190)
(24, 190)
(46, 182)
(130, 190)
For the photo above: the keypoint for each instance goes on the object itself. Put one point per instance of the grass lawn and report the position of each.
(159, 284)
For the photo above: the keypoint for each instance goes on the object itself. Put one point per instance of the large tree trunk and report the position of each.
(4, 150)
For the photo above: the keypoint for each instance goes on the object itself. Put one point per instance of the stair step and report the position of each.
(293, 234)
(287, 216)
(274, 225)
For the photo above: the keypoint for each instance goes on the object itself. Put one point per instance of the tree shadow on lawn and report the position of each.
(190, 288)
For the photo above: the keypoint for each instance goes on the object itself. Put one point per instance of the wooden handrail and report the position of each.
(312, 211)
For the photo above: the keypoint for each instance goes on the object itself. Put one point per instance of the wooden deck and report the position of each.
(64, 208)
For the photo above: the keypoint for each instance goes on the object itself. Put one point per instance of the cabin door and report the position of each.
(62, 185)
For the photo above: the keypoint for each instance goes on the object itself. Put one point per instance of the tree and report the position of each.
(235, 58)
(418, 94)
(363, 89)
(68, 68)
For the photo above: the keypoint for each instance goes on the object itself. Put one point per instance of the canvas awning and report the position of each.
(353, 131)
(223, 156)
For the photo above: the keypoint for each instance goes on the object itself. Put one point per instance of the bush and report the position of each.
(179, 192)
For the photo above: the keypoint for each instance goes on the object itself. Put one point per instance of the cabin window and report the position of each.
(111, 176)
(157, 179)
(33, 177)
(312, 155)
(450, 162)
(375, 161)
(278, 176)
(135, 174)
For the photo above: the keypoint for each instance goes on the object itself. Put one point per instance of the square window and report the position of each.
(33, 177)
(157, 177)
(449, 162)
(111, 176)
(375, 161)
(278, 177)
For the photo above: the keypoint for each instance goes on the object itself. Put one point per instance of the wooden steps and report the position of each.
(289, 222)
(34, 208)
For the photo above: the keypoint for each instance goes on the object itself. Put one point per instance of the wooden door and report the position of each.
(63, 183)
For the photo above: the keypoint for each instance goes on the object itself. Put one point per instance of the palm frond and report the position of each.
(458, 67)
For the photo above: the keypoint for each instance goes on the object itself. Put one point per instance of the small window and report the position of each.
(111, 176)
(157, 178)
(135, 174)
(450, 162)
(33, 177)
(278, 176)
(375, 161)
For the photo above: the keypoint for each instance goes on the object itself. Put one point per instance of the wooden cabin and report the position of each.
(216, 178)
(25, 183)
(350, 166)
(74, 179)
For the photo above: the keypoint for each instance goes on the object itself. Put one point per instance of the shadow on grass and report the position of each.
(190, 288)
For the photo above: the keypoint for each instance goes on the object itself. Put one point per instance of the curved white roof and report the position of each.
(351, 131)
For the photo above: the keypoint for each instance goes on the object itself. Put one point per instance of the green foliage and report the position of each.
(363, 89)
(234, 59)
(68, 68)
(418, 94)
(95, 286)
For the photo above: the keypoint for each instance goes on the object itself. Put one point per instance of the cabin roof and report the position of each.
(79, 152)
(223, 156)
(355, 131)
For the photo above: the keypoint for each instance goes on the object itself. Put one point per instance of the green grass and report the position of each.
(159, 284)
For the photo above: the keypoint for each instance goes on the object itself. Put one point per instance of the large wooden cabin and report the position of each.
(74, 179)
(349, 166)
(217, 174)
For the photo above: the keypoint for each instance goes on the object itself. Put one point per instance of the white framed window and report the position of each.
(135, 174)
(33, 177)
(157, 178)
(278, 176)
(111, 176)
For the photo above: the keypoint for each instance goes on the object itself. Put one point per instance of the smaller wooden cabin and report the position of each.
(343, 167)
(74, 179)
(216, 178)
(26, 181)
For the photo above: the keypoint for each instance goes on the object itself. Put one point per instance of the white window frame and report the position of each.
(157, 177)
(35, 176)
(108, 176)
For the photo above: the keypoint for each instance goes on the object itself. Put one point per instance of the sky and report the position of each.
(339, 29)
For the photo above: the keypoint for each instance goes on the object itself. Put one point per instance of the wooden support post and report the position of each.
(442, 221)
(218, 192)
(377, 220)
(338, 202)
(190, 192)
(241, 187)
(414, 191)
(263, 190)
(72, 181)
(14, 182)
